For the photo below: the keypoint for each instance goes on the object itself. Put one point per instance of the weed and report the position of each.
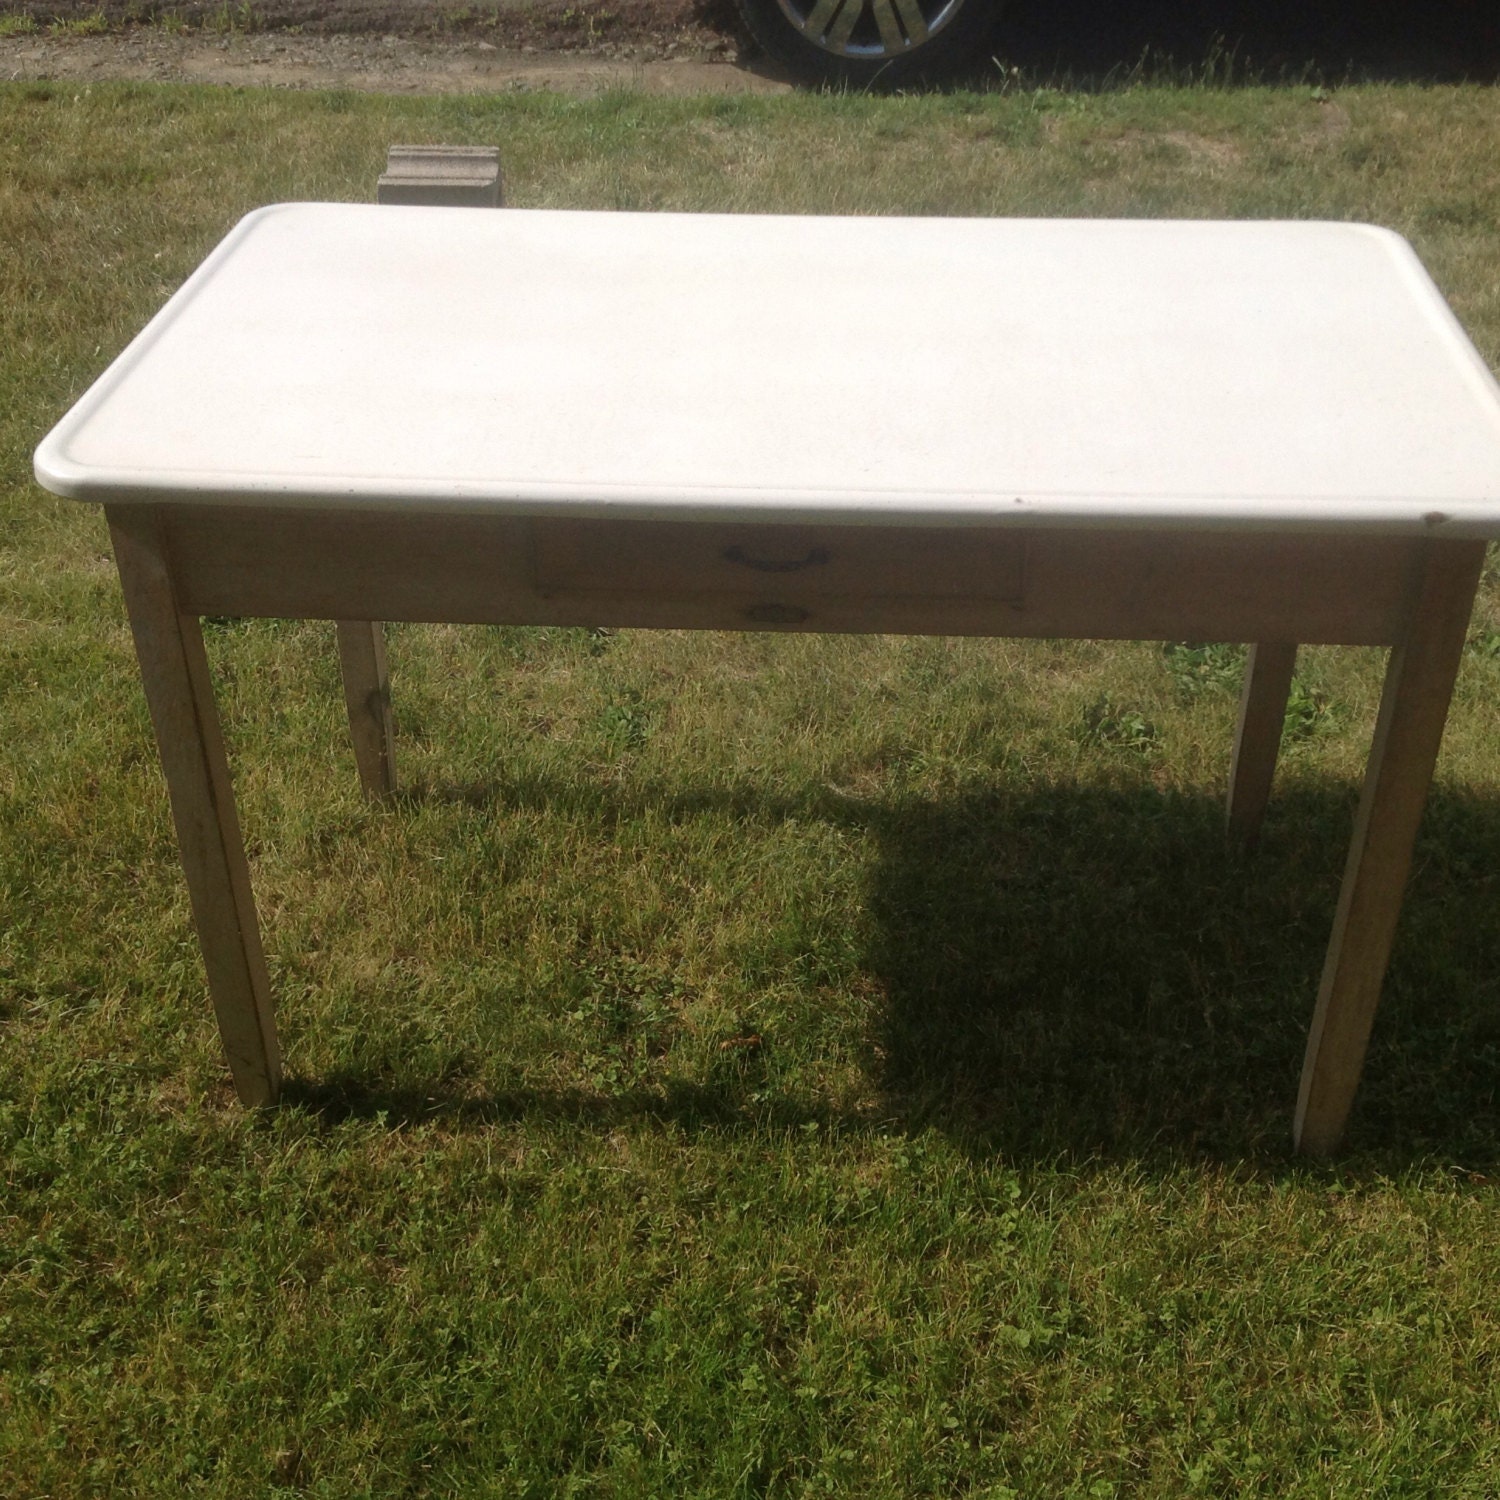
(232, 20)
(1195, 669)
(1118, 726)
(1309, 713)
(626, 721)
(95, 24)
(593, 22)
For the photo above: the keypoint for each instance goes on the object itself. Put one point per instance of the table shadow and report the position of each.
(1084, 972)
(1075, 972)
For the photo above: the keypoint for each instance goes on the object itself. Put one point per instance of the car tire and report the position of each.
(870, 44)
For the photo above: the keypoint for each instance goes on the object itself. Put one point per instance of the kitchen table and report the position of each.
(1273, 433)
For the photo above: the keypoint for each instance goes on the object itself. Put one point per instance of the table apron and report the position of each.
(1137, 584)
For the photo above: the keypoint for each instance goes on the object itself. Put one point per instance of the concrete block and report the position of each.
(445, 176)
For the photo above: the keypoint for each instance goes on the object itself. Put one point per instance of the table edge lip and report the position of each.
(1343, 515)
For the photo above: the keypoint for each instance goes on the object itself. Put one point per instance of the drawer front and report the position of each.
(1133, 585)
(674, 559)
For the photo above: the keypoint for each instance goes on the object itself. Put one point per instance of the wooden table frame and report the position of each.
(1414, 595)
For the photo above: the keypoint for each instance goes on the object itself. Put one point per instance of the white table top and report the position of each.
(936, 371)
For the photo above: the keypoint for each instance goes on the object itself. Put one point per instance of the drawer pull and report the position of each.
(814, 559)
(777, 614)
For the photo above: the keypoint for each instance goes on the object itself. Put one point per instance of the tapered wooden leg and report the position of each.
(1418, 686)
(179, 692)
(1268, 683)
(367, 692)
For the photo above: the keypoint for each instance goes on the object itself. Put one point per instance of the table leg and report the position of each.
(367, 692)
(1268, 683)
(179, 692)
(1413, 707)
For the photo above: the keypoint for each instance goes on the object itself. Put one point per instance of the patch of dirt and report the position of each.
(1207, 150)
(390, 64)
(390, 46)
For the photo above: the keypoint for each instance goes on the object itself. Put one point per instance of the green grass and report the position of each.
(737, 1065)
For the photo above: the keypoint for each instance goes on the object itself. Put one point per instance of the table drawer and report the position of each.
(667, 559)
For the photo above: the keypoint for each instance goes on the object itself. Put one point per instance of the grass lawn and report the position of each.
(739, 1065)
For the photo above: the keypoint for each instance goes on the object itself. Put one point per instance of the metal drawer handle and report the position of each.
(814, 559)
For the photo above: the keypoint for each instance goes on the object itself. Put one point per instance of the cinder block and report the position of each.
(451, 176)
